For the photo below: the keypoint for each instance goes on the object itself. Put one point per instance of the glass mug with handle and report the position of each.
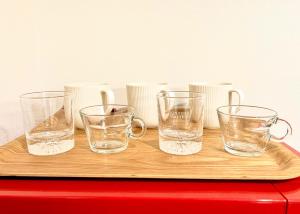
(108, 127)
(246, 130)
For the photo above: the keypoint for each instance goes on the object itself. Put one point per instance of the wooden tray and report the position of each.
(143, 159)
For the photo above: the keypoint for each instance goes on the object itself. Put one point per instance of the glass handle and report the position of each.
(142, 132)
(289, 130)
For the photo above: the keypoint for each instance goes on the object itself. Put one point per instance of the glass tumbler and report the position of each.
(48, 122)
(246, 130)
(108, 127)
(180, 121)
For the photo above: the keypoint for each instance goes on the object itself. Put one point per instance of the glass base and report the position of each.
(180, 147)
(50, 142)
(50, 148)
(108, 146)
(180, 142)
(242, 149)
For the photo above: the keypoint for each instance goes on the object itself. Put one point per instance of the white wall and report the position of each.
(255, 44)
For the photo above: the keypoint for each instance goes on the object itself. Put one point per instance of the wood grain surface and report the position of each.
(143, 159)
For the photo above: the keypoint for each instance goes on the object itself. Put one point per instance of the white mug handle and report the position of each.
(167, 105)
(107, 97)
(240, 96)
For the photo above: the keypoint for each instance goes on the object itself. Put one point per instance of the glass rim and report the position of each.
(105, 115)
(197, 94)
(275, 114)
(31, 95)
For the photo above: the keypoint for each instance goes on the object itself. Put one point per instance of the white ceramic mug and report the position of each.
(216, 95)
(142, 97)
(88, 94)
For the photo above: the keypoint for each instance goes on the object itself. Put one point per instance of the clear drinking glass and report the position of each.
(247, 129)
(48, 122)
(108, 127)
(180, 121)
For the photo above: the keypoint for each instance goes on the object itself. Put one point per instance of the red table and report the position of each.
(148, 196)
(290, 190)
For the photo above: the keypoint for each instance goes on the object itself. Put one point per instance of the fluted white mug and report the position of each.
(217, 95)
(142, 96)
(88, 94)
